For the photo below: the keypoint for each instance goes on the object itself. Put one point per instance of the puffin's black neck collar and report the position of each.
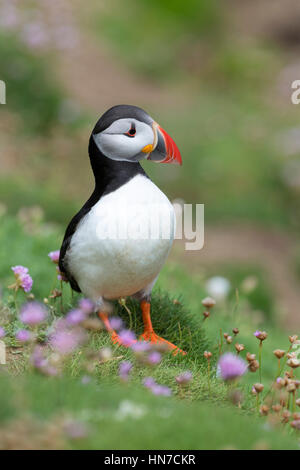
(110, 174)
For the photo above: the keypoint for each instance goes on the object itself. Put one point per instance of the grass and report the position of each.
(146, 422)
(31, 91)
(197, 417)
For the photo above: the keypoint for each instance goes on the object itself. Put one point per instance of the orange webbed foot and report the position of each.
(116, 339)
(155, 339)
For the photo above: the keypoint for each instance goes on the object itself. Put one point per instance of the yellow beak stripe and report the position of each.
(147, 148)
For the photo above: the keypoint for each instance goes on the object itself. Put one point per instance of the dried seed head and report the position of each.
(280, 382)
(235, 331)
(291, 355)
(297, 383)
(254, 366)
(225, 335)
(293, 338)
(55, 293)
(298, 402)
(291, 388)
(293, 363)
(264, 410)
(286, 416)
(229, 339)
(206, 315)
(239, 347)
(296, 424)
(250, 357)
(208, 302)
(277, 408)
(283, 398)
(279, 353)
(258, 387)
(207, 354)
(296, 415)
(261, 335)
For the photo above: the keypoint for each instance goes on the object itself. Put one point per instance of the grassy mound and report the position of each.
(172, 321)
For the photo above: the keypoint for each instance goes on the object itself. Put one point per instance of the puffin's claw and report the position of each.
(154, 338)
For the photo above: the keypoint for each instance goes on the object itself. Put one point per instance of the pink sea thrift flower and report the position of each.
(141, 347)
(124, 370)
(149, 382)
(127, 337)
(76, 316)
(33, 313)
(296, 424)
(65, 341)
(161, 390)
(116, 323)
(54, 256)
(37, 358)
(154, 358)
(86, 305)
(230, 367)
(184, 378)
(61, 276)
(23, 279)
(155, 388)
(24, 336)
(2, 332)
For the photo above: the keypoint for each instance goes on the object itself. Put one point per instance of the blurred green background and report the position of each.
(216, 75)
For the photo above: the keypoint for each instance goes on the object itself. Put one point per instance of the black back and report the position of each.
(109, 176)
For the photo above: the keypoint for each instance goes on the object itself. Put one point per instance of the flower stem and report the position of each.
(221, 342)
(208, 374)
(15, 299)
(61, 297)
(294, 401)
(123, 303)
(259, 359)
(279, 369)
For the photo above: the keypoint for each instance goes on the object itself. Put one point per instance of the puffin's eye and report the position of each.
(131, 132)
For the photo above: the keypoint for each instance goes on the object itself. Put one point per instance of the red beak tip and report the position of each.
(172, 151)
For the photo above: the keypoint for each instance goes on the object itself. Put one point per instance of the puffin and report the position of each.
(117, 244)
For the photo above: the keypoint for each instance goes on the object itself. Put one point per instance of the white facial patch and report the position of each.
(115, 144)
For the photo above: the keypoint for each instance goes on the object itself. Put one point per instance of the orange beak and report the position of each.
(165, 151)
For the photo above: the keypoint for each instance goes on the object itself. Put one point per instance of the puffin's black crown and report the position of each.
(121, 111)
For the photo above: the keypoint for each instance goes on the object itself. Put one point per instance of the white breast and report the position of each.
(120, 246)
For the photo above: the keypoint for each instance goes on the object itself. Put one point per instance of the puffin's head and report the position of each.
(127, 133)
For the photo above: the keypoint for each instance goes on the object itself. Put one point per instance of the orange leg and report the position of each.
(114, 336)
(149, 334)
